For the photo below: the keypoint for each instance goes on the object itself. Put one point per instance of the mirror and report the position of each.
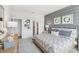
(1, 16)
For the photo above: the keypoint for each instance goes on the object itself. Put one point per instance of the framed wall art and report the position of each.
(27, 23)
(67, 19)
(57, 20)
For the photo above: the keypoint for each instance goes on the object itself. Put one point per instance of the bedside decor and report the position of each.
(68, 19)
(57, 20)
(47, 27)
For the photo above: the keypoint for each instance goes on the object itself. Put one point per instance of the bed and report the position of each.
(56, 43)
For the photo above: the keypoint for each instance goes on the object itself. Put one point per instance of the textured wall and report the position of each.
(74, 9)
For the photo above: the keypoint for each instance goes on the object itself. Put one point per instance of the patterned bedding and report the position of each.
(57, 44)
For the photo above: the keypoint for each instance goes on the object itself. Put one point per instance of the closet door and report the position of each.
(33, 28)
(37, 27)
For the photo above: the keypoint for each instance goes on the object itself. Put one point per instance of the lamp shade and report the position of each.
(11, 24)
(47, 26)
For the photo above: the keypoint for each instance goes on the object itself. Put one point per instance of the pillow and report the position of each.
(9, 43)
(65, 33)
(54, 33)
(45, 32)
(10, 38)
(56, 30)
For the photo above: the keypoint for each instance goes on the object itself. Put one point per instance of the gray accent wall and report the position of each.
(73, 9)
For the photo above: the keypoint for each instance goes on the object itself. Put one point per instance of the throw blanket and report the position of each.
(57, 44)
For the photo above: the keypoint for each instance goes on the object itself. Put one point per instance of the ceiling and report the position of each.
(38, 9)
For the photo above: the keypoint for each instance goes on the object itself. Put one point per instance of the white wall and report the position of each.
(1, 12)
(24, 16)
(6, 14)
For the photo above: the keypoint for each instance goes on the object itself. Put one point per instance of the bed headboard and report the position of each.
(73, 34)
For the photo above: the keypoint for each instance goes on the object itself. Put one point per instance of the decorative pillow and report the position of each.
(45, 32)
(54, 33)
(9, 43)
(65, 33)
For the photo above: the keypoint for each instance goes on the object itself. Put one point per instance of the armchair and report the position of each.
(13, 49)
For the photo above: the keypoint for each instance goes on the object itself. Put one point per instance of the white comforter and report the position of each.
(57, 44)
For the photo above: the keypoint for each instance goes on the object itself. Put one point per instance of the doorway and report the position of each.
(19, 27)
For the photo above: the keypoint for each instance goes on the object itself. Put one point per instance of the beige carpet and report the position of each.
(27, 46)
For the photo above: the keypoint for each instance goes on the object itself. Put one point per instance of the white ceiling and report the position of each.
(38, 9)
